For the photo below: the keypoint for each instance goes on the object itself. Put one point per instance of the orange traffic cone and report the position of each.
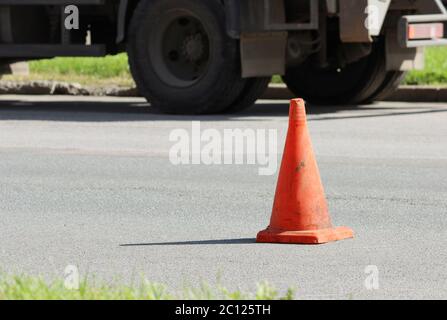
(300, 213)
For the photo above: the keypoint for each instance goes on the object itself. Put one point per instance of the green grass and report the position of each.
(115, 70)
(32, 288)
(87, 71)
(102, 68)
(435, 71)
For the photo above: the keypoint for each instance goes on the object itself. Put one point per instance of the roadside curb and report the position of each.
(274, 92)
(63, 88)
(403, 93)
(420, 94)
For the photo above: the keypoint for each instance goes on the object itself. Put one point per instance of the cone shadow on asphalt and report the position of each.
(194, 242)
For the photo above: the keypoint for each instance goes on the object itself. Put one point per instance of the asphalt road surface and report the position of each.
(88, 182)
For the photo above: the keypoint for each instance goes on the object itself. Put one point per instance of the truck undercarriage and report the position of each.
(197, 56)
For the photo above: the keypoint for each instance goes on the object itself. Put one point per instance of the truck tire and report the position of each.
(360, 82)
(389, 86)
(181, 57)
(253, 89)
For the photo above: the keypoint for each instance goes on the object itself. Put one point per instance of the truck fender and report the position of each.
(232, 10)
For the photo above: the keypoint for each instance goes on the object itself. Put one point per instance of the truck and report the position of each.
(218, 56)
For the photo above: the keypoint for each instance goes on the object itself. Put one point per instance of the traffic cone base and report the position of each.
(305, 237)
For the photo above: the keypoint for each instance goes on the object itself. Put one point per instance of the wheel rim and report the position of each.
(181, 50)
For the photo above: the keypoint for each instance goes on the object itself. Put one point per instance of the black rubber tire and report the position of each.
(388, 87)
(253, 89)
(357, 83)
(220, 84)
